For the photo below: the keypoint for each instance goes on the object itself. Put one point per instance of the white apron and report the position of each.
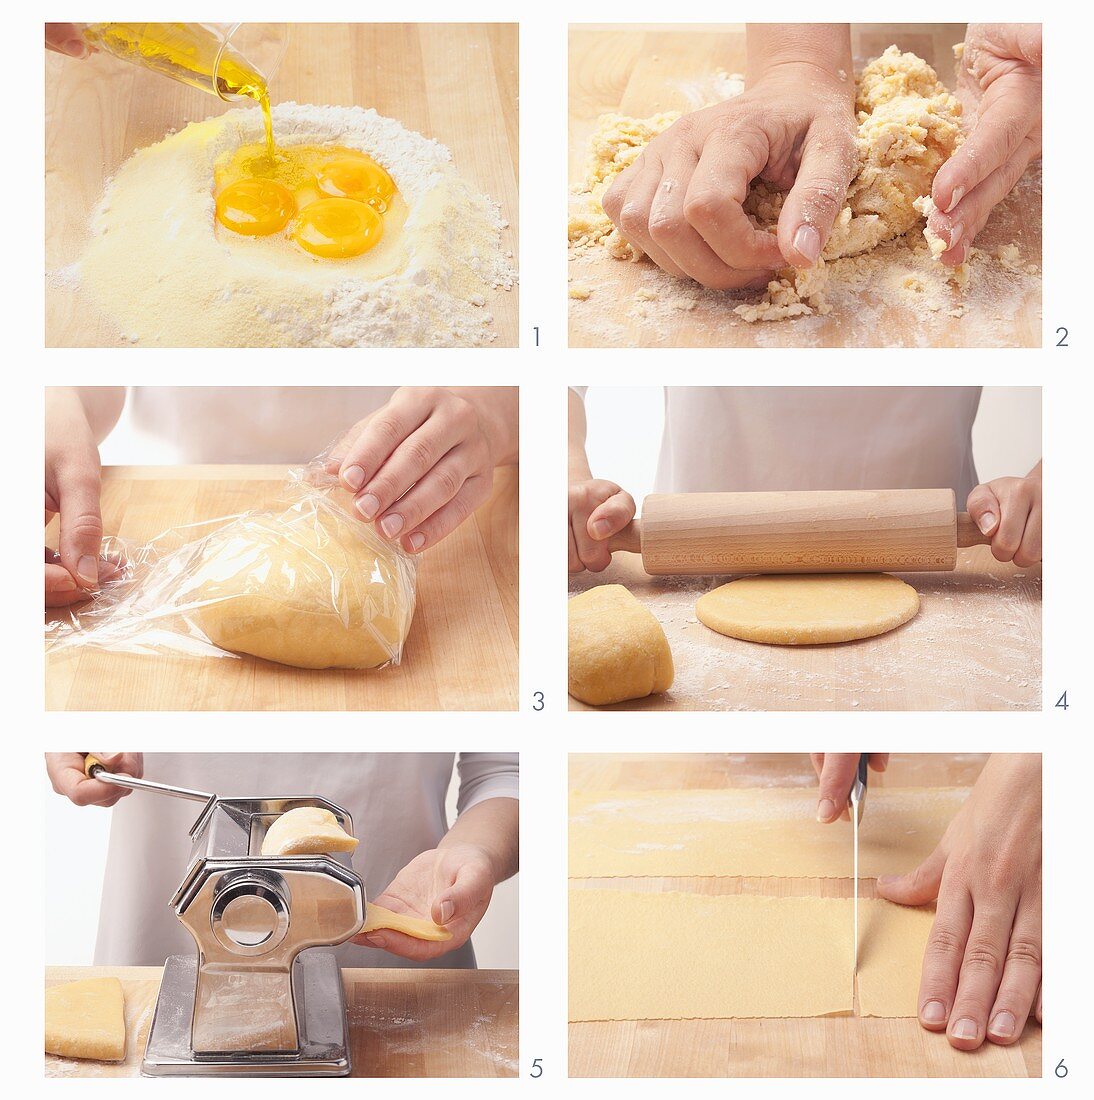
(765, 438)
(265, 424)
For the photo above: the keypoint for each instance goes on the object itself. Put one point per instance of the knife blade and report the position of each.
(857, 800)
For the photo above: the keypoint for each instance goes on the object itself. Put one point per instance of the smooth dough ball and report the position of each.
(303, 588)
(618, 650)
(808, 608)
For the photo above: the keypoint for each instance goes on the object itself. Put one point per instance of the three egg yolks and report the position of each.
(332, 199)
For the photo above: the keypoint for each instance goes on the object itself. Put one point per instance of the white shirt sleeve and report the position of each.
(486, 775)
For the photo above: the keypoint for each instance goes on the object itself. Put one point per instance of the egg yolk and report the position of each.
(338, 227)
(359, 178)
(255, 207)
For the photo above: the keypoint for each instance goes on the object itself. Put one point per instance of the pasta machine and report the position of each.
(263, 995)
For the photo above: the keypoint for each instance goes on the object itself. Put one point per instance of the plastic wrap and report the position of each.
(309, 584)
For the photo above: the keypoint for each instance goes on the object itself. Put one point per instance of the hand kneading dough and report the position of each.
(808, 608)
(306, 831)
(618, 650)
(377, 917)
(303, 590)
(86, 1020)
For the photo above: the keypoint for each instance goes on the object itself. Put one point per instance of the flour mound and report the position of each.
(159, 267)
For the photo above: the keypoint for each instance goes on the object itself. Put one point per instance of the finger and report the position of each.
(673, 232)
(611, 516)
(1038, 1012)
(1021, 980)
(917, 887)
(1014, 512)
(467, 894)
(942, 957)
(980, 975)
(963, 223)
(817, 760)
(573, 558)
(65, 38)
(616, 195)
(411, 461)
(61, 589)
(475, 491)
(122, 763)
(593, 553)
(879, 761)
(428, 495)
(1005, 119)
(827, 166)
(634, 216)
(81, 529)
(384, 432)
(406, 947)
(714, 205)
(81, 791)
(984, 508)
(835, 784)
(1029, 553)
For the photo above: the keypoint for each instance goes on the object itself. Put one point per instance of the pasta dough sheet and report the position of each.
(891, 943)
(680, 956)
(763, 833)
(690, 957)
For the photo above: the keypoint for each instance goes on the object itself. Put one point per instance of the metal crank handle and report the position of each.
(94, 769)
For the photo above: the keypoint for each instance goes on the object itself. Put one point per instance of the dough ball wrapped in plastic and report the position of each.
(308, 584)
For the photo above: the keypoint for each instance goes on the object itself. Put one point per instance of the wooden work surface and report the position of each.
(403, 1023)
(642, 71)
(847, 1046)
(461, 653)
(455, 82)
(975, 645)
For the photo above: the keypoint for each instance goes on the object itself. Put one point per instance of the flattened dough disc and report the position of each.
(808, 608)
(86, 1019)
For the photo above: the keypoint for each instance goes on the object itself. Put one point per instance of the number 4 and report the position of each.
(1062, 701)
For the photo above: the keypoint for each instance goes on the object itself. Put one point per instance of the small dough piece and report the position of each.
(618, 650)
(377, 917)
(636, 956)
(86, 1019)
(808, 608)
(306, 831)
(302, 588)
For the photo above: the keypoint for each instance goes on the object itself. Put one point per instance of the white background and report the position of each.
(545, 737)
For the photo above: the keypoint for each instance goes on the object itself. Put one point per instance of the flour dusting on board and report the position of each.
(975, 645)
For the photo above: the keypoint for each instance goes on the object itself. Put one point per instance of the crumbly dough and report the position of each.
(306, 831)
(675, 956)
(377, 917)
(908, 125)
(769, 832)
(86, 1019)
(618, 650)
(305, 589)
(808, 608)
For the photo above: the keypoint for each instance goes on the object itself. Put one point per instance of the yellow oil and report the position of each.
(188, 52)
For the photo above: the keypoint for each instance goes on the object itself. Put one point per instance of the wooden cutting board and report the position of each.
(836, 1047)
(403, 1023)
(641, 71)
(975, 645)
(455, 82)
(461, 653)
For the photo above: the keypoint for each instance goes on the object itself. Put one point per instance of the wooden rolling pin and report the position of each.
(847, 531)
